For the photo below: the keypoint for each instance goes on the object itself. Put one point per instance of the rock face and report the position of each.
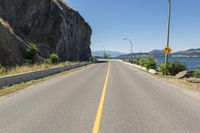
(11, 46)
(51, 24)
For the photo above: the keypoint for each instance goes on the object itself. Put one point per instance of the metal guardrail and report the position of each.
(23, 77)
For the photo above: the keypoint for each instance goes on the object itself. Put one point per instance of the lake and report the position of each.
(191, 62)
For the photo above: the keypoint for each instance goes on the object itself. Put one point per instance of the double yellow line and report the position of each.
(100, 107)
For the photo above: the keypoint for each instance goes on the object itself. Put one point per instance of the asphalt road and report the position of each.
(134, 102)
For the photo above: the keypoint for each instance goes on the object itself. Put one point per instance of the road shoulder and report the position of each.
(25, 85)
(190, 89)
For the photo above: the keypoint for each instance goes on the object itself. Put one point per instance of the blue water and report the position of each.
(191, 62)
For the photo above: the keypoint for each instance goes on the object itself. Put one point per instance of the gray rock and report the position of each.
(152, 71)
(181, 75)
(143, 68)
(193, 80)
(51, 24)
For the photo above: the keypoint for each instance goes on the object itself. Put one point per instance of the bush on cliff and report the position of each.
(32, 52)
(93, 59)
(1, 68)
(54, 58)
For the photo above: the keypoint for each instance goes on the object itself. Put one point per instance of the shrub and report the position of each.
(29, 62)
(176, 67)
(93, 58)
(148, 62)
(54, 58)
(172, 68)
(131, 61)
(1, 68)
(106, 56)
(196, 73)
(48, 61)
(164, 69)
(32, 52)
(135, 62)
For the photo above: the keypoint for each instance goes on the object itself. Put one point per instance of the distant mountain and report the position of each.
(133, 55)
(111, 53)
(188, 53)
(159, 53)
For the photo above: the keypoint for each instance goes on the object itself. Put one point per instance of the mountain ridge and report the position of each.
(109, 52)
(193, 52)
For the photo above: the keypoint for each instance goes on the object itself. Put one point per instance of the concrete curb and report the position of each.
(23, 77)
(151, 71)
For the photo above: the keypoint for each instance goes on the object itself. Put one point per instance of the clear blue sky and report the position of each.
(143, 21)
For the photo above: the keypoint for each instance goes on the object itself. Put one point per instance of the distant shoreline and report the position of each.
(186, 56)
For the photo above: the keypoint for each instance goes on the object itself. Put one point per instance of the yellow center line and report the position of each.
(100, 107)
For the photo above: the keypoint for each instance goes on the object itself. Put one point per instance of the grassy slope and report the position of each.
(17, 87)
(29, 68)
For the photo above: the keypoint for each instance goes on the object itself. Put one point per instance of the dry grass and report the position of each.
(182, 83)
(30, 68)
(178, 82)
(8, 90)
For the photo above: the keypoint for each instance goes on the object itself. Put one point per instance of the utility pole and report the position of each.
(168, 34)
(104, 51)
(131, 45)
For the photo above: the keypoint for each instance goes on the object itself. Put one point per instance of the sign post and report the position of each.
(167, 49)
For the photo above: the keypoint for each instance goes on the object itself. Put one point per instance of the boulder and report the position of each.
(152, 71)
(143, 68)
(182, 75)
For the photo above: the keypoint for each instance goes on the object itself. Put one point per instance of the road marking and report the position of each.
(100, 107)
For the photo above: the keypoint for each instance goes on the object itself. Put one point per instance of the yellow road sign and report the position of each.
(167, 50)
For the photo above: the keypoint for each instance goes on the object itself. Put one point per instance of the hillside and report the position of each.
(159, 53)
(50, 24)
(111, 53)
(188, 53)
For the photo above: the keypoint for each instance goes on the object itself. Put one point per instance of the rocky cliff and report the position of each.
(51, 24)
(12, 48)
